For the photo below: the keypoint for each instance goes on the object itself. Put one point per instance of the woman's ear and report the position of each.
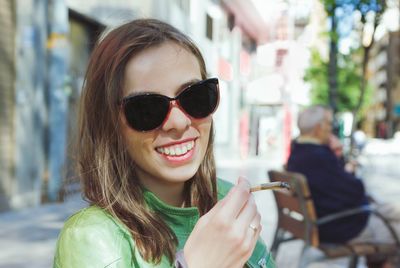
(121, 117)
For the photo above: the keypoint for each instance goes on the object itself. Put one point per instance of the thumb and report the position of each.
(241, 182)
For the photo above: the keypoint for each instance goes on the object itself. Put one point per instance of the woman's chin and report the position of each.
(180, 174)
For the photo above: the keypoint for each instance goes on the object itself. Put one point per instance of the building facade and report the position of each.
(384, 77)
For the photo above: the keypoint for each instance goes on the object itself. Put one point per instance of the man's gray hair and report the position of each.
(310, 117)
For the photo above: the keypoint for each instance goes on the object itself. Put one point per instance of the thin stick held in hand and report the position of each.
(278, 185)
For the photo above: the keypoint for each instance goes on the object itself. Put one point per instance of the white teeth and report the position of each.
(184, 150)
(176, 149)
(189, 146)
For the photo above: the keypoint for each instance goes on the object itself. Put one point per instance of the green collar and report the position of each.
(158, 205)
(180, 220)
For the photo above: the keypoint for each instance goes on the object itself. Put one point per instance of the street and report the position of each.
(28, 237)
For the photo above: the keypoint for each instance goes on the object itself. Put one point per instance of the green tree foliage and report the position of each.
(349, 79)
(347, 87)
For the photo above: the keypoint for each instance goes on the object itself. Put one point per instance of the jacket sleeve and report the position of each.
(261, 258)
(180, 261)
(94, 245)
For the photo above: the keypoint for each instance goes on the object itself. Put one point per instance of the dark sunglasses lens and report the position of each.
(146, 112)
(200, 100)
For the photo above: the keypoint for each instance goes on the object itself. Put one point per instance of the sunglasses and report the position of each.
(149, 111)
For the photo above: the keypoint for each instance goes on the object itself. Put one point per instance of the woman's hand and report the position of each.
(227, 234)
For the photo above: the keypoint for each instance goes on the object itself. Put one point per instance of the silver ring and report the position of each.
(254, 228)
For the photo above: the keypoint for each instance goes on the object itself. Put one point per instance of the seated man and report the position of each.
(333, 188)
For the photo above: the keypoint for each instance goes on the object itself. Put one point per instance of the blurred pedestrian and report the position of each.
(333, 188)
(360, 139)
(146, 162)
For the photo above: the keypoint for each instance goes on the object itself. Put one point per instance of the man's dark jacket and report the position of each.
(332, 189)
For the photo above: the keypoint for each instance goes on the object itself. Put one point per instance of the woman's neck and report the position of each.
(171, 193)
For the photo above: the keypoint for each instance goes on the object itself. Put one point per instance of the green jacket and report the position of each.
(93, 238)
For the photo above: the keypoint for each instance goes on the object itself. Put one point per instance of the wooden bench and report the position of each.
(297, 220)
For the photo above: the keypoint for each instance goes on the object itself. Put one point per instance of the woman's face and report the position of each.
(171, 154)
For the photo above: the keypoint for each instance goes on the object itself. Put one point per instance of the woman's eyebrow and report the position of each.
(148, 91)
(189, 83)
(139, 93)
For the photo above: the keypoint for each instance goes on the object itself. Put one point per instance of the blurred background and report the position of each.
(272, 57)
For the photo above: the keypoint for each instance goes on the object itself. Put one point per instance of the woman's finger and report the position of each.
(235, 200)
(228, 207)
(247, 213)
(253, 231)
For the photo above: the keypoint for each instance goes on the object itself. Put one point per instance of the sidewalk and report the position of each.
(28, 237)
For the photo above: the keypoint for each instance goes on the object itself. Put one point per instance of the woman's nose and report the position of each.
(177, 120)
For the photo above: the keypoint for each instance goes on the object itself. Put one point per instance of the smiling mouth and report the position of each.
(177, 149)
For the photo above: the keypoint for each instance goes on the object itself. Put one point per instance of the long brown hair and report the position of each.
(105, 167)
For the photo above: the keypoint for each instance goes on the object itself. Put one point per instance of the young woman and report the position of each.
(146, 162)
